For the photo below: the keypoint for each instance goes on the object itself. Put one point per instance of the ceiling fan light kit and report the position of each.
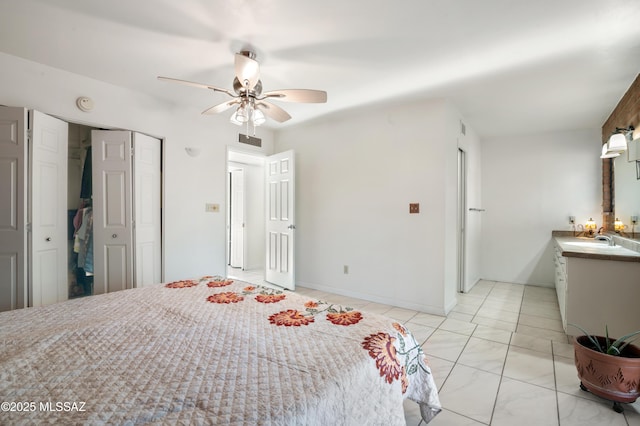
(253, 106)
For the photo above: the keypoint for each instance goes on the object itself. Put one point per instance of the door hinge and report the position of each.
(29, 134)
(28, 227)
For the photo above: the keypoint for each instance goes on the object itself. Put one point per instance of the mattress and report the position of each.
(208, 351)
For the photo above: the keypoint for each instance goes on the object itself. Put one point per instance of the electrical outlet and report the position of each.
(634, 220)
(572, 220)
(212, 208)
(345, 269)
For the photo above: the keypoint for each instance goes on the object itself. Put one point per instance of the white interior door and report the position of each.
(280, 206)
(147, 226)
(13, 208)
(48, 196)
(112, 210)
(237, 219)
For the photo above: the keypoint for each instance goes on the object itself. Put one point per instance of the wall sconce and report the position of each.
(590, 226)
(193, 151)
(618, 226)
(607, 154)
(617, 143)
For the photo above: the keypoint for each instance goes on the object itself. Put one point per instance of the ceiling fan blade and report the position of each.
(247, 70)
(273, 111)
(194, 84)
(297, 95)
(221, 107)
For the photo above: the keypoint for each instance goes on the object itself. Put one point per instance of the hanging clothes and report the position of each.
(86, 188)
(83, 244)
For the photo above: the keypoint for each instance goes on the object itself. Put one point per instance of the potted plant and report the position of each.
(608, 368)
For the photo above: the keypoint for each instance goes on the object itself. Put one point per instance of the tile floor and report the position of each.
(499, 358)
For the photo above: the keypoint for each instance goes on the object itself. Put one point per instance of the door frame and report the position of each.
(462, 220)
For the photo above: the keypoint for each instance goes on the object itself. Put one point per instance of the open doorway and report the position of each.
(245, 216)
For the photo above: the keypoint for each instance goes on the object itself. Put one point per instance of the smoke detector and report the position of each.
(84, 104)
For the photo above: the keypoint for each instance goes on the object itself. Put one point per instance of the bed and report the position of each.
(208, 351)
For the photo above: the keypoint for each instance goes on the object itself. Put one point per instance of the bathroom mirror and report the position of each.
(627, 193)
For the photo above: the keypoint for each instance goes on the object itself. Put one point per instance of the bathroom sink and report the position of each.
(597, 247)
(591, 244)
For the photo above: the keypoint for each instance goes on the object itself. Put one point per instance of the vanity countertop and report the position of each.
(589, 248)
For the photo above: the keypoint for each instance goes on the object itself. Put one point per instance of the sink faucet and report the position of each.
(607, 238)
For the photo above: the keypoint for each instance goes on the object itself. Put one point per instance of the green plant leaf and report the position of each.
(622, 340)
(612, 350)
(593, 340)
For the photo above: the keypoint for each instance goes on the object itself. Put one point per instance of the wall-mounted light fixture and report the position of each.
(618, 225)
(193, 151)
(617, 143)
(607, 154)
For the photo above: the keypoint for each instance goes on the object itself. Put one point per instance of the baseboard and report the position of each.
(434, 310)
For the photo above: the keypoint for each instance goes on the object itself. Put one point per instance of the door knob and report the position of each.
(48, 239)
(114, 236)
(291, 227)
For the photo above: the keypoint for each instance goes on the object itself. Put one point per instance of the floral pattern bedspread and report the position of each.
(209, 351)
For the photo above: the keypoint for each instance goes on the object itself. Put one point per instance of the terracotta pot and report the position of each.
(616, 378)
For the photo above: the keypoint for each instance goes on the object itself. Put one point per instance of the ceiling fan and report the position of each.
(252, 104)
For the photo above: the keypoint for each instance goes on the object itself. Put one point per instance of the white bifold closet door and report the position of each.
(33, 219)
(13, 208)
(48, 197)
(126, 210)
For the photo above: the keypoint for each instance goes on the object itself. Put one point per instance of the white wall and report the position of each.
(531, 184)
(194, 240)
(356, 175)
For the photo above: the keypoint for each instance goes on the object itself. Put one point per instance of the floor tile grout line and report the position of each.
(555, 382)
(504, 365)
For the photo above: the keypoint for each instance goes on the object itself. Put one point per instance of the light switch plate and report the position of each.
(414, 208)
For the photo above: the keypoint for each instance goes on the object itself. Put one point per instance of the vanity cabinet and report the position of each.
(561, 283)
(597, 292)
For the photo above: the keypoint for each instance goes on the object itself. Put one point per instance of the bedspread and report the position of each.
(208, 351)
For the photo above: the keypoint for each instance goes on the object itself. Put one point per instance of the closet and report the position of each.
(80, 269)
(40, 160)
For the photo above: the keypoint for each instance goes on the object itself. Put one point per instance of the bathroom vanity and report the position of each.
(598, 285)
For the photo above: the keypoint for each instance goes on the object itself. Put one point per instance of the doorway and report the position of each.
(462, 218)
(245, 216)
(79, 211)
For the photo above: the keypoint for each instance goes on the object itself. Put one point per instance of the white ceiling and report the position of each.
(509, 66)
